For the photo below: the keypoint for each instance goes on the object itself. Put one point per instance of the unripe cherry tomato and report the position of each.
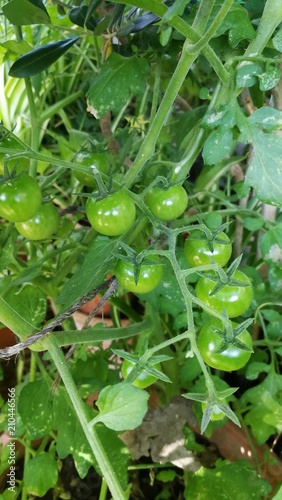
(42, 225)
(91, 159)
(20, 198)
(198, 253)
(144, 379)
(232, 358)
(233, 298)
(149, 277)
(112, 215)
(167, 204)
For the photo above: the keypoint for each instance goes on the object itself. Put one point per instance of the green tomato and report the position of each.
(113, 215)
(233, 298)
(144, 379)
(167, 204)
(232, 358)
(217, 414)
(198, 253)
(149, 277)
(42, 225)
(100, 161)
(20, 198)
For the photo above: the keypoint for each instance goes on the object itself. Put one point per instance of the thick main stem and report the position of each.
(90, 432)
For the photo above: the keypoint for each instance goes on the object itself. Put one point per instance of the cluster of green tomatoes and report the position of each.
(21, 203)
(223, 345)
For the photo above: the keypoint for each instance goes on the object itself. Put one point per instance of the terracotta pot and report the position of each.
(89, 306)
(7, 338)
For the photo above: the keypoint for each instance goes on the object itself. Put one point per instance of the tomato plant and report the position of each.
(149, 277)
(112, 215)
(233, 356)
(234, 299)
(144, 379)
(198, 251)
(167, 204)
(20, 198)
(181, 98)
(42, 225)
(90, 159)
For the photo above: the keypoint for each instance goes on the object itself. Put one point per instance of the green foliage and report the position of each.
(41, 474)
(38, 60)
(227, 480)
(122, 406)
(182, 96)
(120, 79)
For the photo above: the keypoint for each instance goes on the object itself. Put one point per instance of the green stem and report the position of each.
(189, 54)
(156, 89)
(90, 432)
(270, 19)
(197, 47)
(202, 16)
(148, 146)
(186, 30)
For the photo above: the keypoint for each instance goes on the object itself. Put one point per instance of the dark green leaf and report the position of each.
(24, 12)
(238, 25)
(78, 15)
(227, 480)
(40, 59)
(40, 474)
(70, 436)
(97, 262)
(30, 303)
(35, 408)
(120, 78)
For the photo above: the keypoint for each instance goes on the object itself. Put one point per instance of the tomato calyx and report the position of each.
(223, 277)
(137, 259)
(210, 237)
(229, 336)
(214, 405)
(142, 370)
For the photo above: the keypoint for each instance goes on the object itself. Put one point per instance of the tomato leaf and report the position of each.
(265, 170)
(35, 399)
(41, 474)
(38, 60)
(30, 303)
(227, 480)
(119, 79)
(97, 262)
(122, 406)
(238, 25)
(25, 12)
(267, 118)
(269, 78)
(218, 144)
